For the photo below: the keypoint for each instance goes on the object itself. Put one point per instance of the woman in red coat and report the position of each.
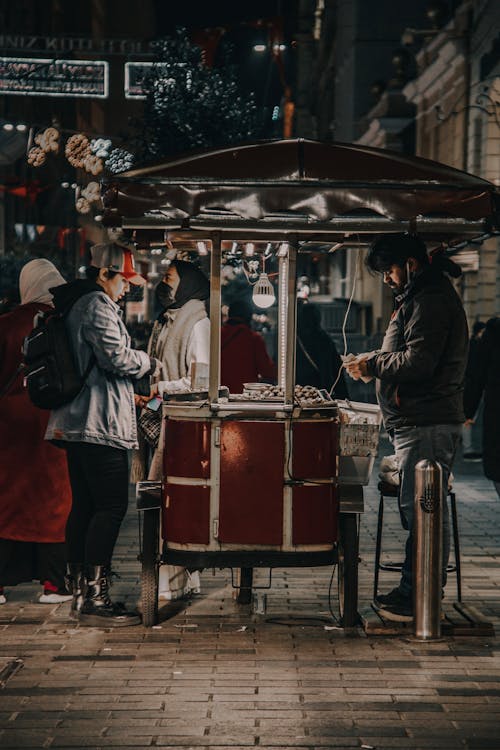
(244, 357)
(35, 495)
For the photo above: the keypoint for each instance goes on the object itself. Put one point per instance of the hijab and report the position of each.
(35, 280)
(193, 284)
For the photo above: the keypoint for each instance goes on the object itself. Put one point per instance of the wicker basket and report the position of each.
(358, 444)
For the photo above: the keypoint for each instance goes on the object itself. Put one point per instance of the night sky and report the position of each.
(199, 13)
(257, 71)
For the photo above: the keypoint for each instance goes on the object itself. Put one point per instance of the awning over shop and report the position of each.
(329, 192)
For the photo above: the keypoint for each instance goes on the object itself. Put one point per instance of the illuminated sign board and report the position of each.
(57, 45)
(135, 73)
(73, 78)
(134, 78)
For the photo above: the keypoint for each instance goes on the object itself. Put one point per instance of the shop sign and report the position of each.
(38, 77)
(135, 73)
(134, 79)
(62, 44)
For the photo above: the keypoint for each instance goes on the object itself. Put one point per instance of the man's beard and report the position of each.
(395, 288)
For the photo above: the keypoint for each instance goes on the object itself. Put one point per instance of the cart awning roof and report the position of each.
(329, 190)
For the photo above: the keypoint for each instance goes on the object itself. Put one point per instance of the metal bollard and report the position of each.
(428, 549)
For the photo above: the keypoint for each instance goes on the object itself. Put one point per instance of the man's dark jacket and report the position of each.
(421, 364)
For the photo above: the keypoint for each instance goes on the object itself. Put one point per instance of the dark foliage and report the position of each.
(190, 105)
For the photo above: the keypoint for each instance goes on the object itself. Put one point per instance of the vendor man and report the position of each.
(420, 372)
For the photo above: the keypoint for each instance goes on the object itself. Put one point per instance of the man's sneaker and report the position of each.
(394, 606)
(53, 595)
(3, 600)
(473, 456)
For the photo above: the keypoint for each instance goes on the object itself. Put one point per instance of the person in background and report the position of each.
(244, 357)
(470, 436)
(35, 494)
(98, 428)
(9, 300)
(420, 372)
(485, 380)
(180, 340)
(317, 361)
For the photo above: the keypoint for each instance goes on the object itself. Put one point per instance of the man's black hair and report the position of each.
(394, 250)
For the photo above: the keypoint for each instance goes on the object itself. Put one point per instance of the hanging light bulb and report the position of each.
(263, 292)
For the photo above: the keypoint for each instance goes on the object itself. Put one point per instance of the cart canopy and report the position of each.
(328, 191)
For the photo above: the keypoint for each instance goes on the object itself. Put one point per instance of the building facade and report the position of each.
(420, 80)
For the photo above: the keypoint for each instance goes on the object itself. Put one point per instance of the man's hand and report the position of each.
(357, 368)
(469, 422)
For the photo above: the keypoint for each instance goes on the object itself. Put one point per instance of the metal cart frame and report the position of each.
(305, 195)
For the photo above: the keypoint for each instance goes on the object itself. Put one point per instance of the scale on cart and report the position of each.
(258, 481)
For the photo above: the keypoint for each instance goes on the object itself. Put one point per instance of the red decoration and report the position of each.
(83, 235)
(208, 40)
(61, 237)
(28, 190)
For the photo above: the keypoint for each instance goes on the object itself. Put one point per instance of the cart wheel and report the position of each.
(348, 570)
(150, 567)
(245, 590)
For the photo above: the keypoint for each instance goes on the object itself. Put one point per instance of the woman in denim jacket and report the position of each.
(98, 427)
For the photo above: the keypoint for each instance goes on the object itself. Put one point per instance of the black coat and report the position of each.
(318, 363)
(485, 378)
(420, 367)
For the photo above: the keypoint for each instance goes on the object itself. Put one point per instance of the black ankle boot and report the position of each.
(97, 609)
(74, 581)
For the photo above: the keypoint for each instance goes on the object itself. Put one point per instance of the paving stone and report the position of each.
(283, 683)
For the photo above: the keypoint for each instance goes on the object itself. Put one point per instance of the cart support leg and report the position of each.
(245, 586)
(348, 528)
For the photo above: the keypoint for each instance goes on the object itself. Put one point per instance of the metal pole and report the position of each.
(215, 319)
(291, 321)
(287, 322)
(282, 320)
(428, 549)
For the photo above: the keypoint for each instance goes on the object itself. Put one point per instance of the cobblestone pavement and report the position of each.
(215, 675)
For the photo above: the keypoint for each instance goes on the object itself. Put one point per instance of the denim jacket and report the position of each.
(104, 410)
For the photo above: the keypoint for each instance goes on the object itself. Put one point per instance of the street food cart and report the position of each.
(275, 479)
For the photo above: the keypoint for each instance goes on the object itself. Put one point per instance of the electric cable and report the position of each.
(344, 323)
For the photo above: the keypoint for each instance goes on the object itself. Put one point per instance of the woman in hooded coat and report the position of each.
(35, 494)
(318, 362)
(484, 379)
(180, 339)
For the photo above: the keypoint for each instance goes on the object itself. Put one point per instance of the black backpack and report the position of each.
(51, 374)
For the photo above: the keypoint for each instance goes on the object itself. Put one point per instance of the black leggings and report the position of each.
(28, 561)
(99, 483)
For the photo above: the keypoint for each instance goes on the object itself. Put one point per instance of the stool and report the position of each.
(389, 490)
